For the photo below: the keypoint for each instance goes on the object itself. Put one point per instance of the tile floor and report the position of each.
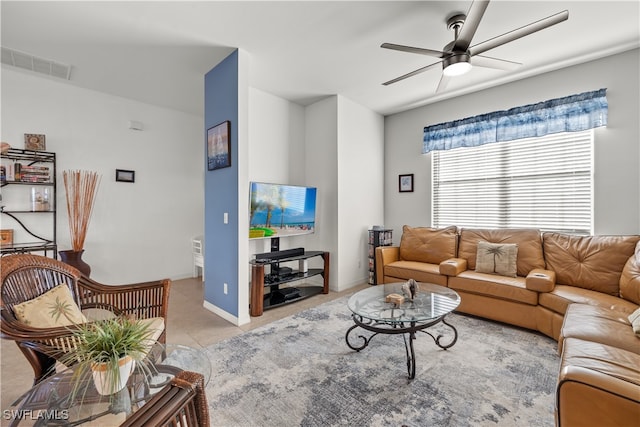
(188, 323)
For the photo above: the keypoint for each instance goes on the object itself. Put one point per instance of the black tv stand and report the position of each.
(277, 296)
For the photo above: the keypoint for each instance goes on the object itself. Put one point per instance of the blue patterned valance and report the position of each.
(570, 114)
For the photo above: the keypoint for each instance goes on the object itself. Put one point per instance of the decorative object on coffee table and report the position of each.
(410, 289)
(81, 188)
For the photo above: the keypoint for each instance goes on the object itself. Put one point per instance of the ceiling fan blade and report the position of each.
(488, 62)
(519, 32)
(444, 82)
(413, 73)
(471, 22)
(412, 49)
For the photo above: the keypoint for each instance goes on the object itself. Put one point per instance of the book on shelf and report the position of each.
(17, 172)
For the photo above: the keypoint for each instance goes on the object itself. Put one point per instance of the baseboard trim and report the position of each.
(220, 312)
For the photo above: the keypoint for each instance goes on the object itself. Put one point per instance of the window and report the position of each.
(544, 182)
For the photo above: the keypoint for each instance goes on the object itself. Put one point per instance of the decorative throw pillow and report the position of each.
(55, 307)
(497, 258)
(634, 318)
(630, 278)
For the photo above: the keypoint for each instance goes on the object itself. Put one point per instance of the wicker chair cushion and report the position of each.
(41, 312)
(156, 327)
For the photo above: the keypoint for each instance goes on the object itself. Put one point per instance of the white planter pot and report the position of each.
(104, 379)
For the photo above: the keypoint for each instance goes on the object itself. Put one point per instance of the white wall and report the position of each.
(276, 152)
(337, 146)
(321, 151)
(360, 187)
(617, 148)
(139, 231)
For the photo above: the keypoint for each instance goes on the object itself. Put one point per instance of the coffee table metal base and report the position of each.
(408, 331)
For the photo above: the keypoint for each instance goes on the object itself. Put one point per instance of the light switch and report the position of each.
(226, 218)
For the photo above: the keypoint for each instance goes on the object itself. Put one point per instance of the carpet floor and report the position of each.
(298, 371)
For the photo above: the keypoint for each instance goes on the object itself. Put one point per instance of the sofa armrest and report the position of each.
(541, 280)
(385, 255)
(453, 266)
(590, 397)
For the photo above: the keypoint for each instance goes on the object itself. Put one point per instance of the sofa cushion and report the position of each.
(498, 287)
(603, 358)
(590, 262)
(630, 279)
(418, 271)
(598, 324)
(528, 240)
(559, 299)
(430, 245)
(54, 308)
(497, 258)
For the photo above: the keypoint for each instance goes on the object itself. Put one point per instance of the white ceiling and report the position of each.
(158, 52)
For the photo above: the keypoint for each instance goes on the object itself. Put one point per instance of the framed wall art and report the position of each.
(219, 146)
(125, 175)
(34, 141)
(405, 183)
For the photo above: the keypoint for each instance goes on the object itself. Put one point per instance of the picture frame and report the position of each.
(35, 142)
(6, 237)
(405, 183)
(219, 146)
(123, 175)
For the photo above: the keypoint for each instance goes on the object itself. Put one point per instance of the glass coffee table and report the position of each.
(373, 313)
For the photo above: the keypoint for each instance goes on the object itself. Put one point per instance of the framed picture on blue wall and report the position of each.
(219, 146)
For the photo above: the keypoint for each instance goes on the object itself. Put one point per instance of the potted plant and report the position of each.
(108, 349)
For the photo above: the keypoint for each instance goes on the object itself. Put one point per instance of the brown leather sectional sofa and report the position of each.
(579, 290)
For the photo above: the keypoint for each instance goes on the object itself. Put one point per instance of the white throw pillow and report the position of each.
(634, 318)
(497, 258)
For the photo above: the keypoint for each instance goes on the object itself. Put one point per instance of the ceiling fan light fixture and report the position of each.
(456, 65)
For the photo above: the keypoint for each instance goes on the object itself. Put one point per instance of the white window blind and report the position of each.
(544, 183)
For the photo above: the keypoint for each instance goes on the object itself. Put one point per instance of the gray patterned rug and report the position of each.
(299, 372)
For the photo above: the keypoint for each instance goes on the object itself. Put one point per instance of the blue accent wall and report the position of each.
(221, 190)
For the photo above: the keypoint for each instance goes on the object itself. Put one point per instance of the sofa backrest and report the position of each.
(428, 245)
(529, 243)
(589, 262)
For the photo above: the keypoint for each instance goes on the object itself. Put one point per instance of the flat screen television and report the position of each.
(278, 210)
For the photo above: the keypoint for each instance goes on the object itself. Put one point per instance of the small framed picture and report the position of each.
(125, 175)
(405, 183)
(34, 141)
(219, 146)
(6, 237)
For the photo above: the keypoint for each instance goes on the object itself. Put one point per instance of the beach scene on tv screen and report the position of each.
(281, 210)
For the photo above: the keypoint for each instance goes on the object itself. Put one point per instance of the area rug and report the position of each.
(298, 371)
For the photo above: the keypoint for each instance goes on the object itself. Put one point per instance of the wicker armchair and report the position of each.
(182, 403)
(27, 276)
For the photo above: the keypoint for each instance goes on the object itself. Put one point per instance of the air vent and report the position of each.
(33, 63)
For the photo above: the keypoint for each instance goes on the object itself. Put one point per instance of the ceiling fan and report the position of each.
(458, 56)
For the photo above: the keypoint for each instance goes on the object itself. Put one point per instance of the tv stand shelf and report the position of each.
(276, 296)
